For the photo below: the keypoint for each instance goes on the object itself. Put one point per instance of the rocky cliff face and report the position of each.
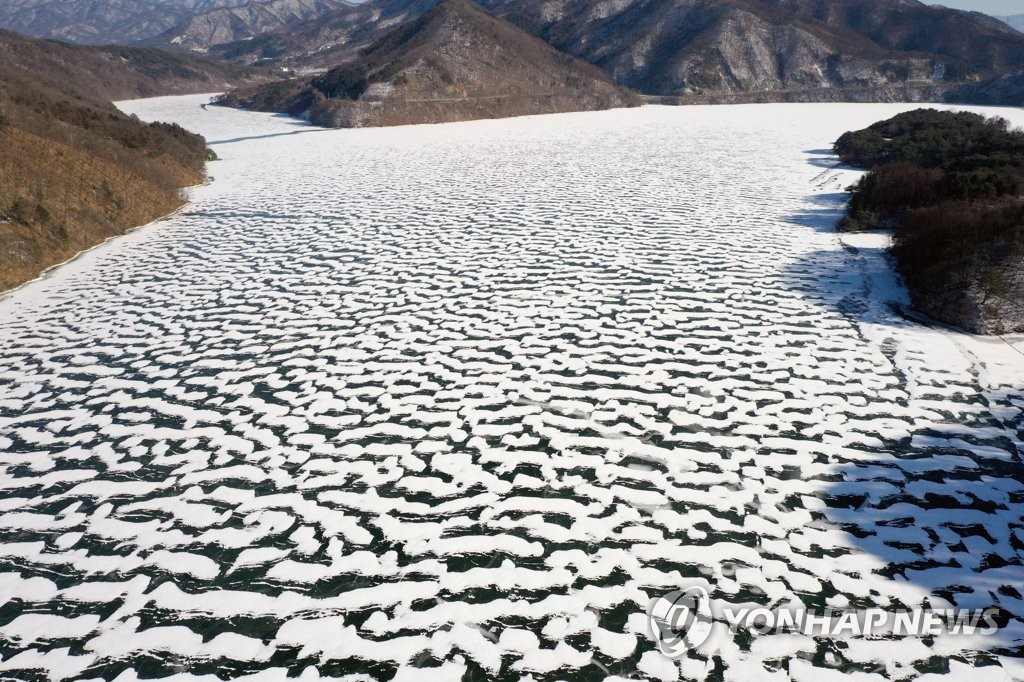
(672, 47)
(742, 52)
(454, 63)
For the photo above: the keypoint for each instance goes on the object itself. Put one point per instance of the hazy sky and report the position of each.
(991, 6)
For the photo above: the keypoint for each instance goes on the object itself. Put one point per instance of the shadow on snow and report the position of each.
(942, 504)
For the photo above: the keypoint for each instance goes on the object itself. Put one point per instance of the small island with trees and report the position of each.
(950, 188)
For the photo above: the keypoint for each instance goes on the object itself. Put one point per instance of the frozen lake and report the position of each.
(467, 397)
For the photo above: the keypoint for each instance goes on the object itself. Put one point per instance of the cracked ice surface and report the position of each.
(466, 397)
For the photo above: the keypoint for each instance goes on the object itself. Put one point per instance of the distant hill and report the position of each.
(75, 170)
(711, 50)
(1005, 90)
(115, 72)
(100, 21)
(88, 21)
(1015, 21)
(203, 5)
(189, 24)
(229, 24)
(456, 62)
(327, 40)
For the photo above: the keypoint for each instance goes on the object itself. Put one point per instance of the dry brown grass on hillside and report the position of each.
(74, 170)
(57, 200)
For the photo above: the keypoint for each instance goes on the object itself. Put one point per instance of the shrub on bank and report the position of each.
(881, 197)
(929, 138)
(950, 186)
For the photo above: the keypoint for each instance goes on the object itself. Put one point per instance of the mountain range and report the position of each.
(227, 24)
(190, 24)
(101, 21)
(324, 41)
(793, 49)
(675, 50)
(456, 62)
(670, 47)
(704, 50)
